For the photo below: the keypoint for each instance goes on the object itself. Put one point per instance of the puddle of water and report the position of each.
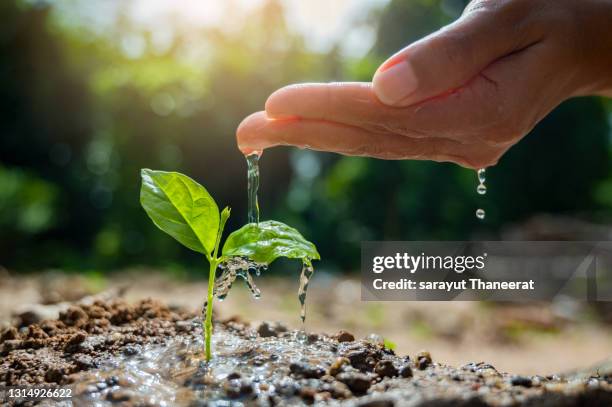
(176, 374)
(481, 189)
(252, 370)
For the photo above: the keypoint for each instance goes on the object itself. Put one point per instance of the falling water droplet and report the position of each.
(482, 175)
(481, 189)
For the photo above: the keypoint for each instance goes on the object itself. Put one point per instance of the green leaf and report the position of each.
(263, 242)
(182, 208)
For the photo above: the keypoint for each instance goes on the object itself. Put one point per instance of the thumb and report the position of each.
(448, 58)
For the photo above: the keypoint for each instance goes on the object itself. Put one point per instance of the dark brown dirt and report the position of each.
(73, 349)
(83, 336)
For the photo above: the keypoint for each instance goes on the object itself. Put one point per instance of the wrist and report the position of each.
(594, 47)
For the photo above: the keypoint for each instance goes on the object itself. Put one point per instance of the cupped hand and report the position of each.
(464, 94)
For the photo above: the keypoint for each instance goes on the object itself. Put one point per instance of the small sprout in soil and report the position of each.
(389, 344)
(184, 209)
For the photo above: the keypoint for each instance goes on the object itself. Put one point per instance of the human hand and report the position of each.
(465, 93)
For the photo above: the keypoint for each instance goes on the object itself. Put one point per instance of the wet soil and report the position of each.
(82, 338)
(517, 338)
(147, 354)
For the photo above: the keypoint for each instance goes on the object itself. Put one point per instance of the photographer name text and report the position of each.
(404, 262)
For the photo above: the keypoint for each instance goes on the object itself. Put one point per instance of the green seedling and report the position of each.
(185, 210)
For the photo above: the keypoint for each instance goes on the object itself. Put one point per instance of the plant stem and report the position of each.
(208, 324)
(214, 262)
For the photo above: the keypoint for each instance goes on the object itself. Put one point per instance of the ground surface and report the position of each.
(532, 339)
(148, 354)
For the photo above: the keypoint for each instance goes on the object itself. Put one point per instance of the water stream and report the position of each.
(307, 272)
(243, 267)
(252, 187)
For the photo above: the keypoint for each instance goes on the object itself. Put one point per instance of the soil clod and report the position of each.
(8, 334)
(338, 366)
(267, 330)
(344, 336)
(385, 368)
(359, 383)
(405, 371)
(306, 371)
(521, 381)
(238, 388)
(423, 360)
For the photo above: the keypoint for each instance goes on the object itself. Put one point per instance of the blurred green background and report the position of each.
(92, 91)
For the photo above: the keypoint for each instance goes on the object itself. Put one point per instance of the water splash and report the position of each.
(232, 268)
(481, 189)
(175, 374)
(305, 276)
(238, 267)
(245, 268)
(252, 187)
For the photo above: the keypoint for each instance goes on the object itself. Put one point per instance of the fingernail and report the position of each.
(394, 83)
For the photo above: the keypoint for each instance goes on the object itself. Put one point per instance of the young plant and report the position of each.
(185, 210)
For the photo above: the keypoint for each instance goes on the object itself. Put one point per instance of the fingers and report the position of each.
(460, 116)
(352, 103)
(247, 134)
(451, 57)
(258, 132)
